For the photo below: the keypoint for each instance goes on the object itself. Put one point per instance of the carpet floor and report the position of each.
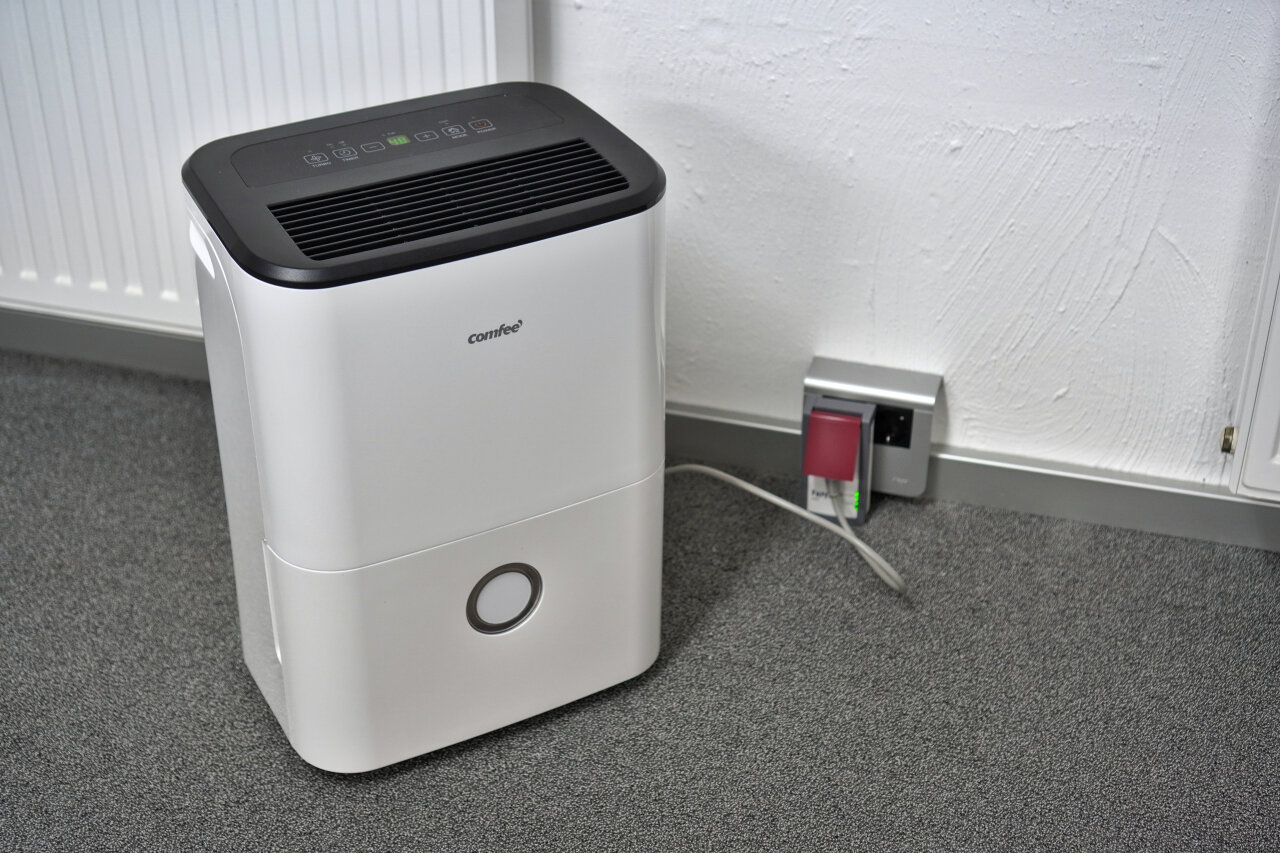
(1051, 685)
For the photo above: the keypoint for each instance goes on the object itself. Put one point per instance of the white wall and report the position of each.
(1061, 207)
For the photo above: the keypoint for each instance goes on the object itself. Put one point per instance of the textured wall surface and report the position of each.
(1061, 207)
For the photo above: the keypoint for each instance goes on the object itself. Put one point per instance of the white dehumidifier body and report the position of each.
(435, 343)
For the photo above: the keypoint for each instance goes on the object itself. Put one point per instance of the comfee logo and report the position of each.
(495, 333)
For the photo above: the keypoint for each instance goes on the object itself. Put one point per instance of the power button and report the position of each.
(504, 598)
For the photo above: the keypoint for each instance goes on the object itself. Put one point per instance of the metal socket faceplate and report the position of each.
(895, 470)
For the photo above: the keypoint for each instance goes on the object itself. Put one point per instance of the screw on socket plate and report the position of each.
(1229, 435)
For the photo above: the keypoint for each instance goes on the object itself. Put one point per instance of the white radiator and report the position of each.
(104, 99)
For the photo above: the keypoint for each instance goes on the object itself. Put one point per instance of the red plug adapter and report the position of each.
(831, 445)
(837, 448)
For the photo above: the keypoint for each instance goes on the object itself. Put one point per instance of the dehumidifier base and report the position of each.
(381, 663)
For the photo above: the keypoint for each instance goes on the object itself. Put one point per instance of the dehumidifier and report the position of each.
(435, 342)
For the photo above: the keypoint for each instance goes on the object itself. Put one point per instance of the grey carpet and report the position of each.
(1054, 686)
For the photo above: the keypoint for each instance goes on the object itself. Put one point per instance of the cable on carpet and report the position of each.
(878, 564)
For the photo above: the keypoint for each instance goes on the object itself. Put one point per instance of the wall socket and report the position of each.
(904, 401)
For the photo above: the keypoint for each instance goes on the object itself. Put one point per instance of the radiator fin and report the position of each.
(102, 102)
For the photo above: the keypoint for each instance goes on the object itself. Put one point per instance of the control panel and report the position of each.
(366, 143)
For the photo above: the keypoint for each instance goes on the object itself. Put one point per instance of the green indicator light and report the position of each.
(398, 140)
(856, 496)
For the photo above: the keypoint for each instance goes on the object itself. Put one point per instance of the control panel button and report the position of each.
(373, 139)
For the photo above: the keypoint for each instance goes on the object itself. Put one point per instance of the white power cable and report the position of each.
(878, 564)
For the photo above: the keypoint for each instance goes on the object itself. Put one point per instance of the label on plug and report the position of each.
(818, 500)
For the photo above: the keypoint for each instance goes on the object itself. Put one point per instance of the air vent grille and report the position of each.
(447, 200)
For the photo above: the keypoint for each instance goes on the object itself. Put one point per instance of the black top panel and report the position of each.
(409, 134)
(354, 177)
